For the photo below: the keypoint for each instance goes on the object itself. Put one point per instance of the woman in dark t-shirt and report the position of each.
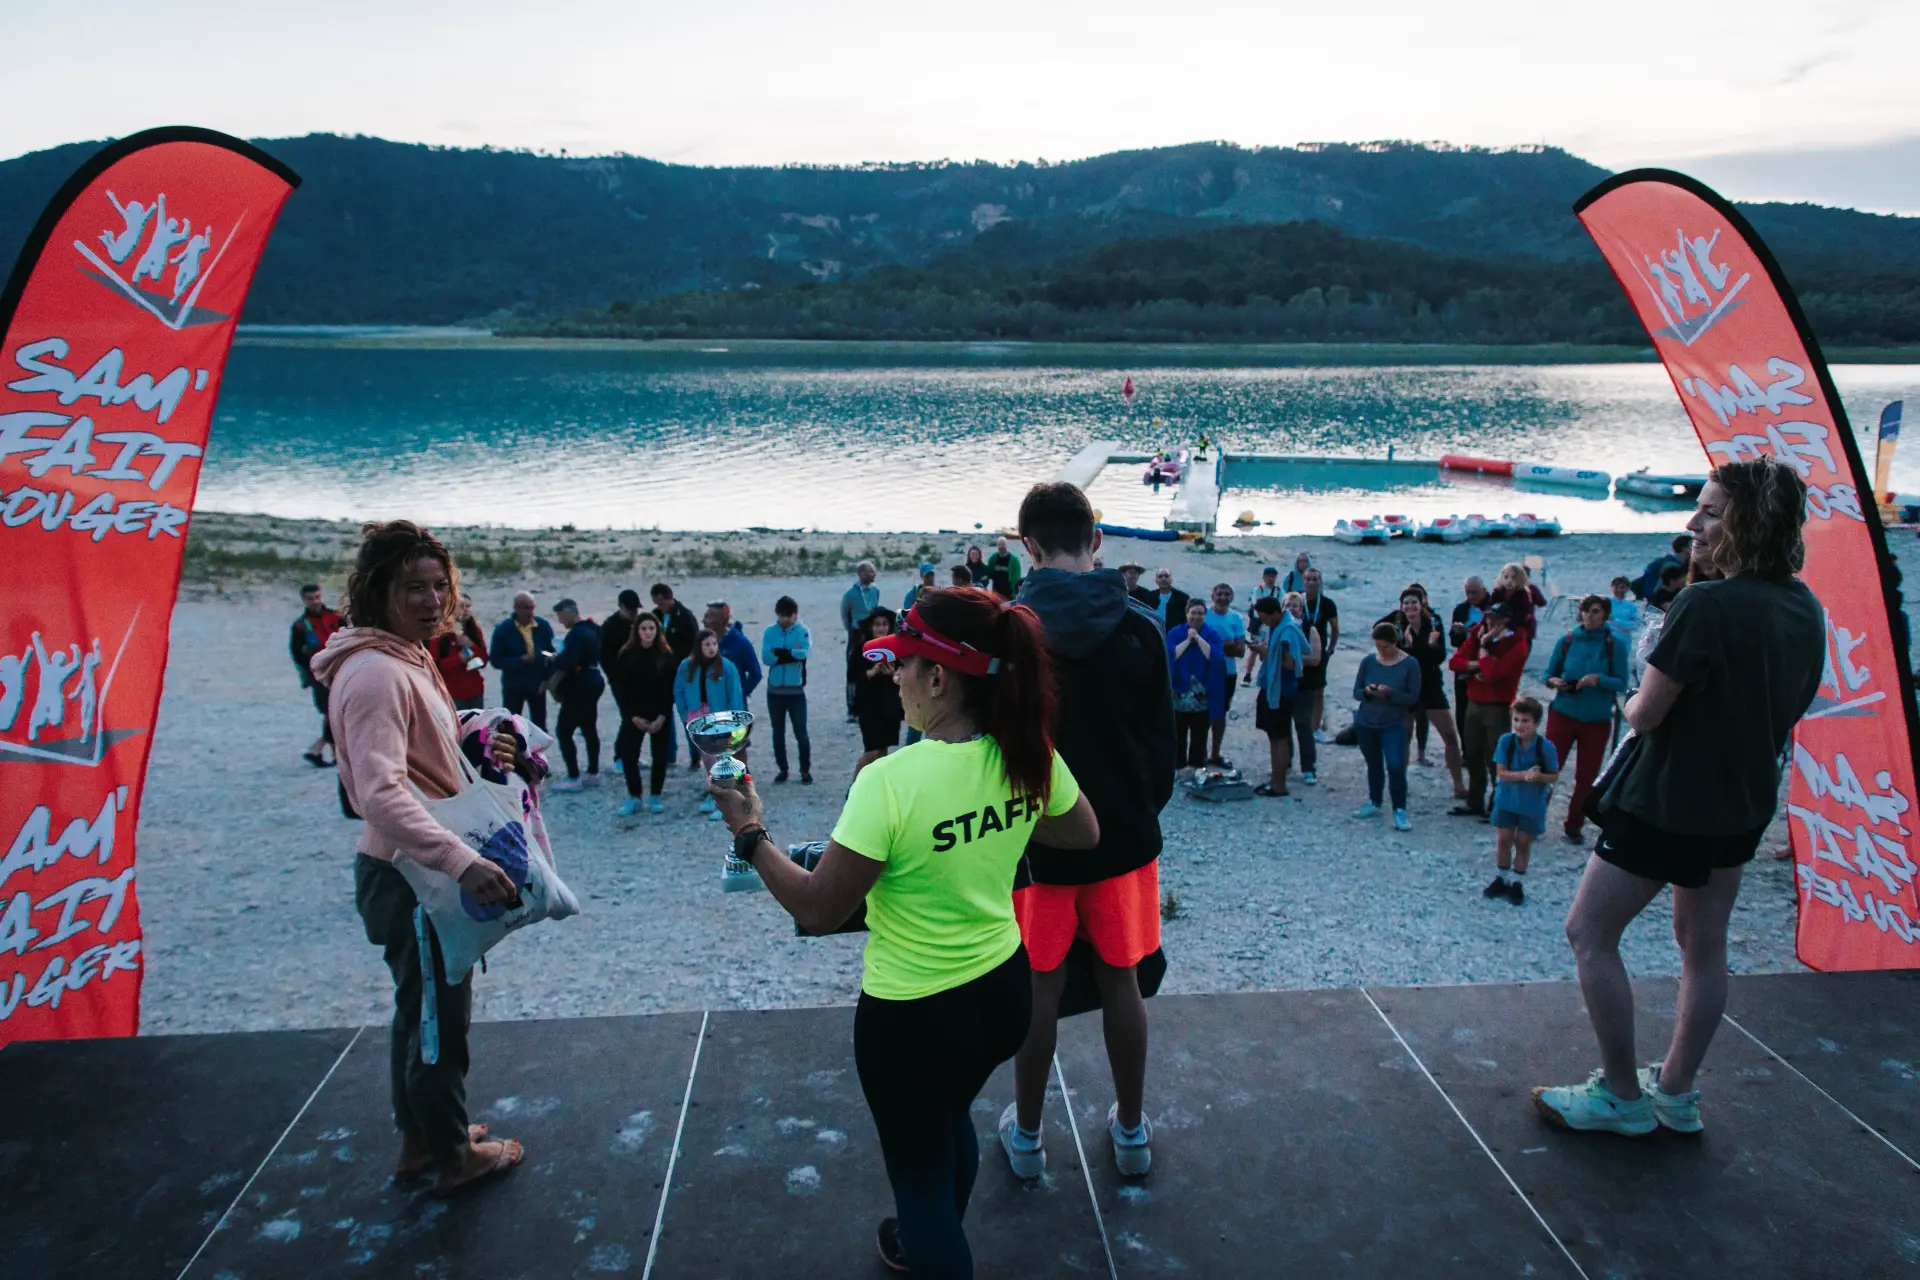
(1737, 665)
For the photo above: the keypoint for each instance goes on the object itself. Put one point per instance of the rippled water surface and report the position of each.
(911, 438)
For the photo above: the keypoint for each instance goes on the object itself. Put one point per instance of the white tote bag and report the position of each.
(490, 818)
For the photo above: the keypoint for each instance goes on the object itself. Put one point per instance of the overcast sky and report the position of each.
(1811, 100)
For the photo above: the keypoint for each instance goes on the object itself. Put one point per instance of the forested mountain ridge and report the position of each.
(385, 232)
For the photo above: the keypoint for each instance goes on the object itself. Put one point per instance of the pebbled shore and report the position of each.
(245, 863)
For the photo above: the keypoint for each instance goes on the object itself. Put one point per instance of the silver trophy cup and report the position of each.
(718, 735)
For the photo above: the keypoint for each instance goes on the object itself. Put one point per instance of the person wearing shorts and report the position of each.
(930, 839)
(1233, 628)
(1114, 727)
(1525, 767)
(1738, 662)
(1283, 649)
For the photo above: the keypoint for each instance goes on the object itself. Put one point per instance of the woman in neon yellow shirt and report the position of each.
(930, 839)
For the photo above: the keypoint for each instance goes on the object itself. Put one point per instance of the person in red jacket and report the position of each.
(461, 656)
(308, 636)
(1491, 659)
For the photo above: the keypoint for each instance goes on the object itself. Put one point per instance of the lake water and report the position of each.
(912, 437)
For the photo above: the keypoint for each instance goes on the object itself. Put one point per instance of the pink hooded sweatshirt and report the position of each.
(394, 724)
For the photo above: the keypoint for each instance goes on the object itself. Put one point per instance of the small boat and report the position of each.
(1360, 530)
(1572, 477)
(1674, 488)
(1444, 529)
(1397, 526)
(1520, 526)
(1245, 520)
(1543, 526)
(1489, 526)
(1166, 468)
(1145, 535)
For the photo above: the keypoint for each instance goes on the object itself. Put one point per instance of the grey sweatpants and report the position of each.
(429, 1101)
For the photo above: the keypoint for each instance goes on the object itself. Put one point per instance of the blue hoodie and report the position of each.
(790, 676)
(723, 691)
(737, 649)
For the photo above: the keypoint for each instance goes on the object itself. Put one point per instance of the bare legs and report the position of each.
(1442, 721)
(1700, 919)
(1280, 759)
(1124, 1022)
(1608, 901)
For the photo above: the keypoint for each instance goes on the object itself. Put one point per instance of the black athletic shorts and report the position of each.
(1684, 861)
(1275, 722)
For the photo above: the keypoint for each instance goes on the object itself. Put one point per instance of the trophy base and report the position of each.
(739, 877)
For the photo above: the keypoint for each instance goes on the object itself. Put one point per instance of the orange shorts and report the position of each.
(1120, 917)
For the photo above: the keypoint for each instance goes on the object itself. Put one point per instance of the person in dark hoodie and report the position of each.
(579, 682)
(1114, 728)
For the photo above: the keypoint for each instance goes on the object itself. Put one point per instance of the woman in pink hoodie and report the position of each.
(397, 738)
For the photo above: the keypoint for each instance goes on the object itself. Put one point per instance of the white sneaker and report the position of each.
(591, 780)
(1320, 736)
(629, 806)
(567, 784)
(1593, 1108)
(1679, 1112)
(1132, 1156)
(1027, 1163)
(1367, 810)
(1400, 820)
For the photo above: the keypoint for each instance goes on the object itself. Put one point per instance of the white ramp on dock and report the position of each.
(1197, 504)
(1086, 465)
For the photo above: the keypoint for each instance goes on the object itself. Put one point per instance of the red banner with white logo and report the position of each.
(117, 322)
(1751, 376)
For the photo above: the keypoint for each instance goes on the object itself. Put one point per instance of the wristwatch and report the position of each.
(746, 840)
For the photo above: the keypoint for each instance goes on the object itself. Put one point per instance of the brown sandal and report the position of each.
(507, 1155)
(424, 1166)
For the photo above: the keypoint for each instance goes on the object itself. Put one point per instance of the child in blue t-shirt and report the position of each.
(1525, 767)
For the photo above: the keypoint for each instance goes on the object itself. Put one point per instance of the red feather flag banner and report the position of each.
(117, 320)
(1750, 373)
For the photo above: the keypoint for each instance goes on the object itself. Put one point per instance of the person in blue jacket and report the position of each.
(1587, 672)
(578, 683)
(735, 647)
(1199, 659)
(707, 682)
(522, 651)
(785, 647)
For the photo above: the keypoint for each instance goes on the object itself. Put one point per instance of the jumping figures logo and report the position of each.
(172, 246)
(53, 702)
(1690, 289)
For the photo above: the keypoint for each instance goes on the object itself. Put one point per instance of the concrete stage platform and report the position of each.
(1383, 1132)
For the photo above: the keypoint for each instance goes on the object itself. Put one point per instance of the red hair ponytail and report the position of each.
(1016, 706)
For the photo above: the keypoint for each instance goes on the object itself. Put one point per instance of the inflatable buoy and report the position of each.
(1575, 477)
(1485, 466)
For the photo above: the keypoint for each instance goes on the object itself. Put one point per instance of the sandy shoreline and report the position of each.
(245, 862)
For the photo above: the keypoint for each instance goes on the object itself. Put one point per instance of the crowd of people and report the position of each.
(1050, 712)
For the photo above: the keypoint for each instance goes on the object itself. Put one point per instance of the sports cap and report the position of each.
(913, 635)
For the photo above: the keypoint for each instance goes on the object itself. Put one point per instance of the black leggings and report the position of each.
(582, 714)
(626, 749)
(922, 1063)
(1190, 737)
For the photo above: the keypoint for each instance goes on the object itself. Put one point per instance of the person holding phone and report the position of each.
(1387, 687)
(929, 839)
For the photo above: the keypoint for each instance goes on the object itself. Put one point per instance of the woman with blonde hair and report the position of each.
(1737, 665)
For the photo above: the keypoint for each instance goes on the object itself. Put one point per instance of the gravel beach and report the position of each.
(246, 864)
